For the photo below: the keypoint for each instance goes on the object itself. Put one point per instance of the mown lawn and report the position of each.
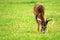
(17, 21)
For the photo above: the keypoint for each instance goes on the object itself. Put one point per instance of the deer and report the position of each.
(39, 13)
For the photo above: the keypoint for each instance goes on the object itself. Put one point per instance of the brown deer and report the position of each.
(40, 18)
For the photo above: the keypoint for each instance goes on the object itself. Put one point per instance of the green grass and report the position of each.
(17, 21)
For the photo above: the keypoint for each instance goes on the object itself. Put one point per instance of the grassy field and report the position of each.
(17, 21)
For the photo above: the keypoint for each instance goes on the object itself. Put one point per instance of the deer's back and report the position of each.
(38, 8)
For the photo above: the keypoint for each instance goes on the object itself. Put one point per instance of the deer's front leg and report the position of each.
(38, 27)
(38, 23)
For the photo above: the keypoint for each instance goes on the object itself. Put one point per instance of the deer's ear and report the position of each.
(47, 20)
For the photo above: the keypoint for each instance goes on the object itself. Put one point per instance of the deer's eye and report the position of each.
(44, 24)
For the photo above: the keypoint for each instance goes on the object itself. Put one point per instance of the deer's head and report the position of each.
(44, 25)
